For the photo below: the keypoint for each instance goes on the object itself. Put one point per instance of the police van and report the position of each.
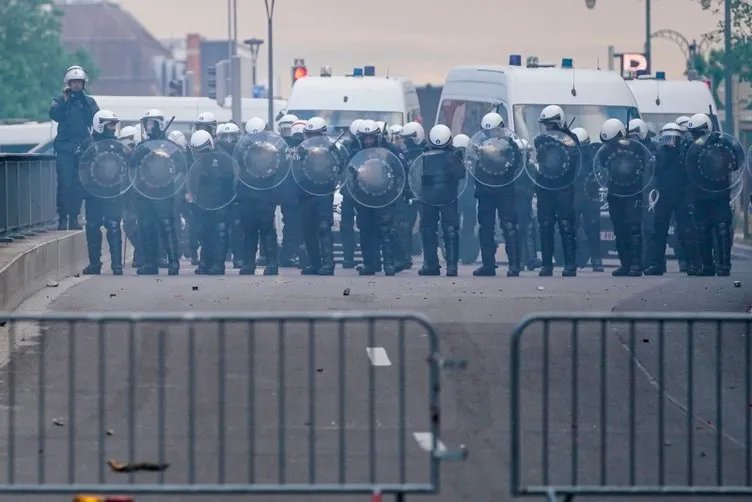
(519, 94)
(661, 101)
(340, 100)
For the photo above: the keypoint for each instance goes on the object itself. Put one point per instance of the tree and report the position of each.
(710, 65)
(34, 59)
(741, 33)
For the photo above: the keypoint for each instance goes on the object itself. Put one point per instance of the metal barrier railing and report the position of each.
(27, 188)
(631, 404)
(221, 404)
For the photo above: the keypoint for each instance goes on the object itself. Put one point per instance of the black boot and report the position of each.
(221, 248)
(547, 249)
(721, 234)
(512, 248)
(388, 253)
(488, 258)
(635, 252)
(62, 221)
(150, 243)
(73, 223)
(622, 250)
(532, 262)
(171, 245)
(568, 248)
(94, 248)
(430, 252)
(451, 250)
(272, 252)
(115, 241)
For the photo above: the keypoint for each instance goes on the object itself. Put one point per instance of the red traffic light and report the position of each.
(299, 72)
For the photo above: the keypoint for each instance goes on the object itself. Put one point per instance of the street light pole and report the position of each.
(269, 36)
(728, 78)
(648, 33)
(235, 79)
(254, 44)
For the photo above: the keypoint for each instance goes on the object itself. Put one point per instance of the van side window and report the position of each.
(463, 117)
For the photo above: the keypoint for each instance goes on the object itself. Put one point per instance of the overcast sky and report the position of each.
(420, 40)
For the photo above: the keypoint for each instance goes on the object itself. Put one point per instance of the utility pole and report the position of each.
(269, 28)
(235, 69)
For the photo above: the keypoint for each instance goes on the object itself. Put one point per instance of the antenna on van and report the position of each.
(574, 89)
(597, 63)
(657, 93)
(387, 72)
(569, 126)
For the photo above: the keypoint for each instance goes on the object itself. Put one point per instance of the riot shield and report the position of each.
(260, 162)
(317, 166)
(158, 169)
(211, 181)
(494, 159)
(558, 160)
(624, 167)
(593, 190)
(715, 164)
(437, 177)
(103, 169)
(375, 177)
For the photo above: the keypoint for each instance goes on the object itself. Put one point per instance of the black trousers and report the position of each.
(347, 228)
(713, 217)
(665, 209)
(214, 236)
(377, 233)
(69, 191)
(257, 217)
(107, 213)
(626, 217)
(430, 217)
(317, 218)
(588, 218)
(556, 207)
(468, 207)
(292, 233)
(405, 215)
(156, 220)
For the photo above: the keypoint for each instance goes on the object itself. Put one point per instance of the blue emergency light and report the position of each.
(515, 60)
(369, 71)
(660, 75)
(357, 72)
(567, 63)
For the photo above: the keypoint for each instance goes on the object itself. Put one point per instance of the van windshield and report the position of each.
(341, 119)
(657, 120)
(590, 117)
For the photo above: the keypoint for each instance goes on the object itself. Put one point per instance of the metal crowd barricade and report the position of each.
(27, 187)
(631, 404)
(218, 404)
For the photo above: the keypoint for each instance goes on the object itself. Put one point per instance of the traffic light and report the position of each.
(176, 88)
(212, 83)
(299, 72)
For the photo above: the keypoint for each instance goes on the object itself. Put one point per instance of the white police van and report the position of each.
(661, 101)
(340, 100)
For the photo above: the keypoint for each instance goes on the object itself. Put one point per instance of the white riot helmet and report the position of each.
(202, 141)
(255, 125)
(672, 134)
(461, 141)
(613, 129)
(638, 128)
(102, 119)
(354, 126)
(178, 138)
(152, 120)
(700, 123)
(130, 136)
(228, 133)
(394, 131)
(491, 121)
(206, 121)
(316, 125)
(682, 122)
(582, 135)
(381, 125)
(552, 114)
(298, 128)
(414, 131)
(285, 124)
(75, 73)
(440, 136)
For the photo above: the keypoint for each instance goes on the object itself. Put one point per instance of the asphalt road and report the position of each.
(268, 380)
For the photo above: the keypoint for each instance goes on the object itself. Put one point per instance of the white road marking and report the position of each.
(425, 441)
(378, 356)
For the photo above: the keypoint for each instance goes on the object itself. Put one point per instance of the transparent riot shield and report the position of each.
(211, 181)
(103, 169)
(158, 169)
(260, 160)
(715, 164)
(593, 190)
(437, 177)
(557, 162)
(375, 177)
(494, 158)
(317, 166)
(624, 167)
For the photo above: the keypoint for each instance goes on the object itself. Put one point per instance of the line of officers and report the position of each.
(227, 185)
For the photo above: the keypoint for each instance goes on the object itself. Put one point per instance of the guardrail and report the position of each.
(27, 188)
(631, 404)
(222, 404)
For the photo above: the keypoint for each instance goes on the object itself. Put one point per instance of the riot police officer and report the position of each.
(292, 233)
(156, 216)
(105, 212)
(639, 130)
(347, 207)
(467, 208)
(130, 136)
(440, 177)
(624, 200)
(523, 196)
(73, 111)
(393, 134)
(412, 142)
(206, 121)
(376, 225)
(184, 225)
(711, 195)
(588, 208)
(498, 199)
(317, 210)
(556, 199)
(672, 190)
(228, 135)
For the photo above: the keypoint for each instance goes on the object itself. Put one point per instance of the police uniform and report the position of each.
(347, 212)
(587, 208)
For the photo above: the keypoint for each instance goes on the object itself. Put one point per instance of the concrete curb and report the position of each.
(29, 265)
